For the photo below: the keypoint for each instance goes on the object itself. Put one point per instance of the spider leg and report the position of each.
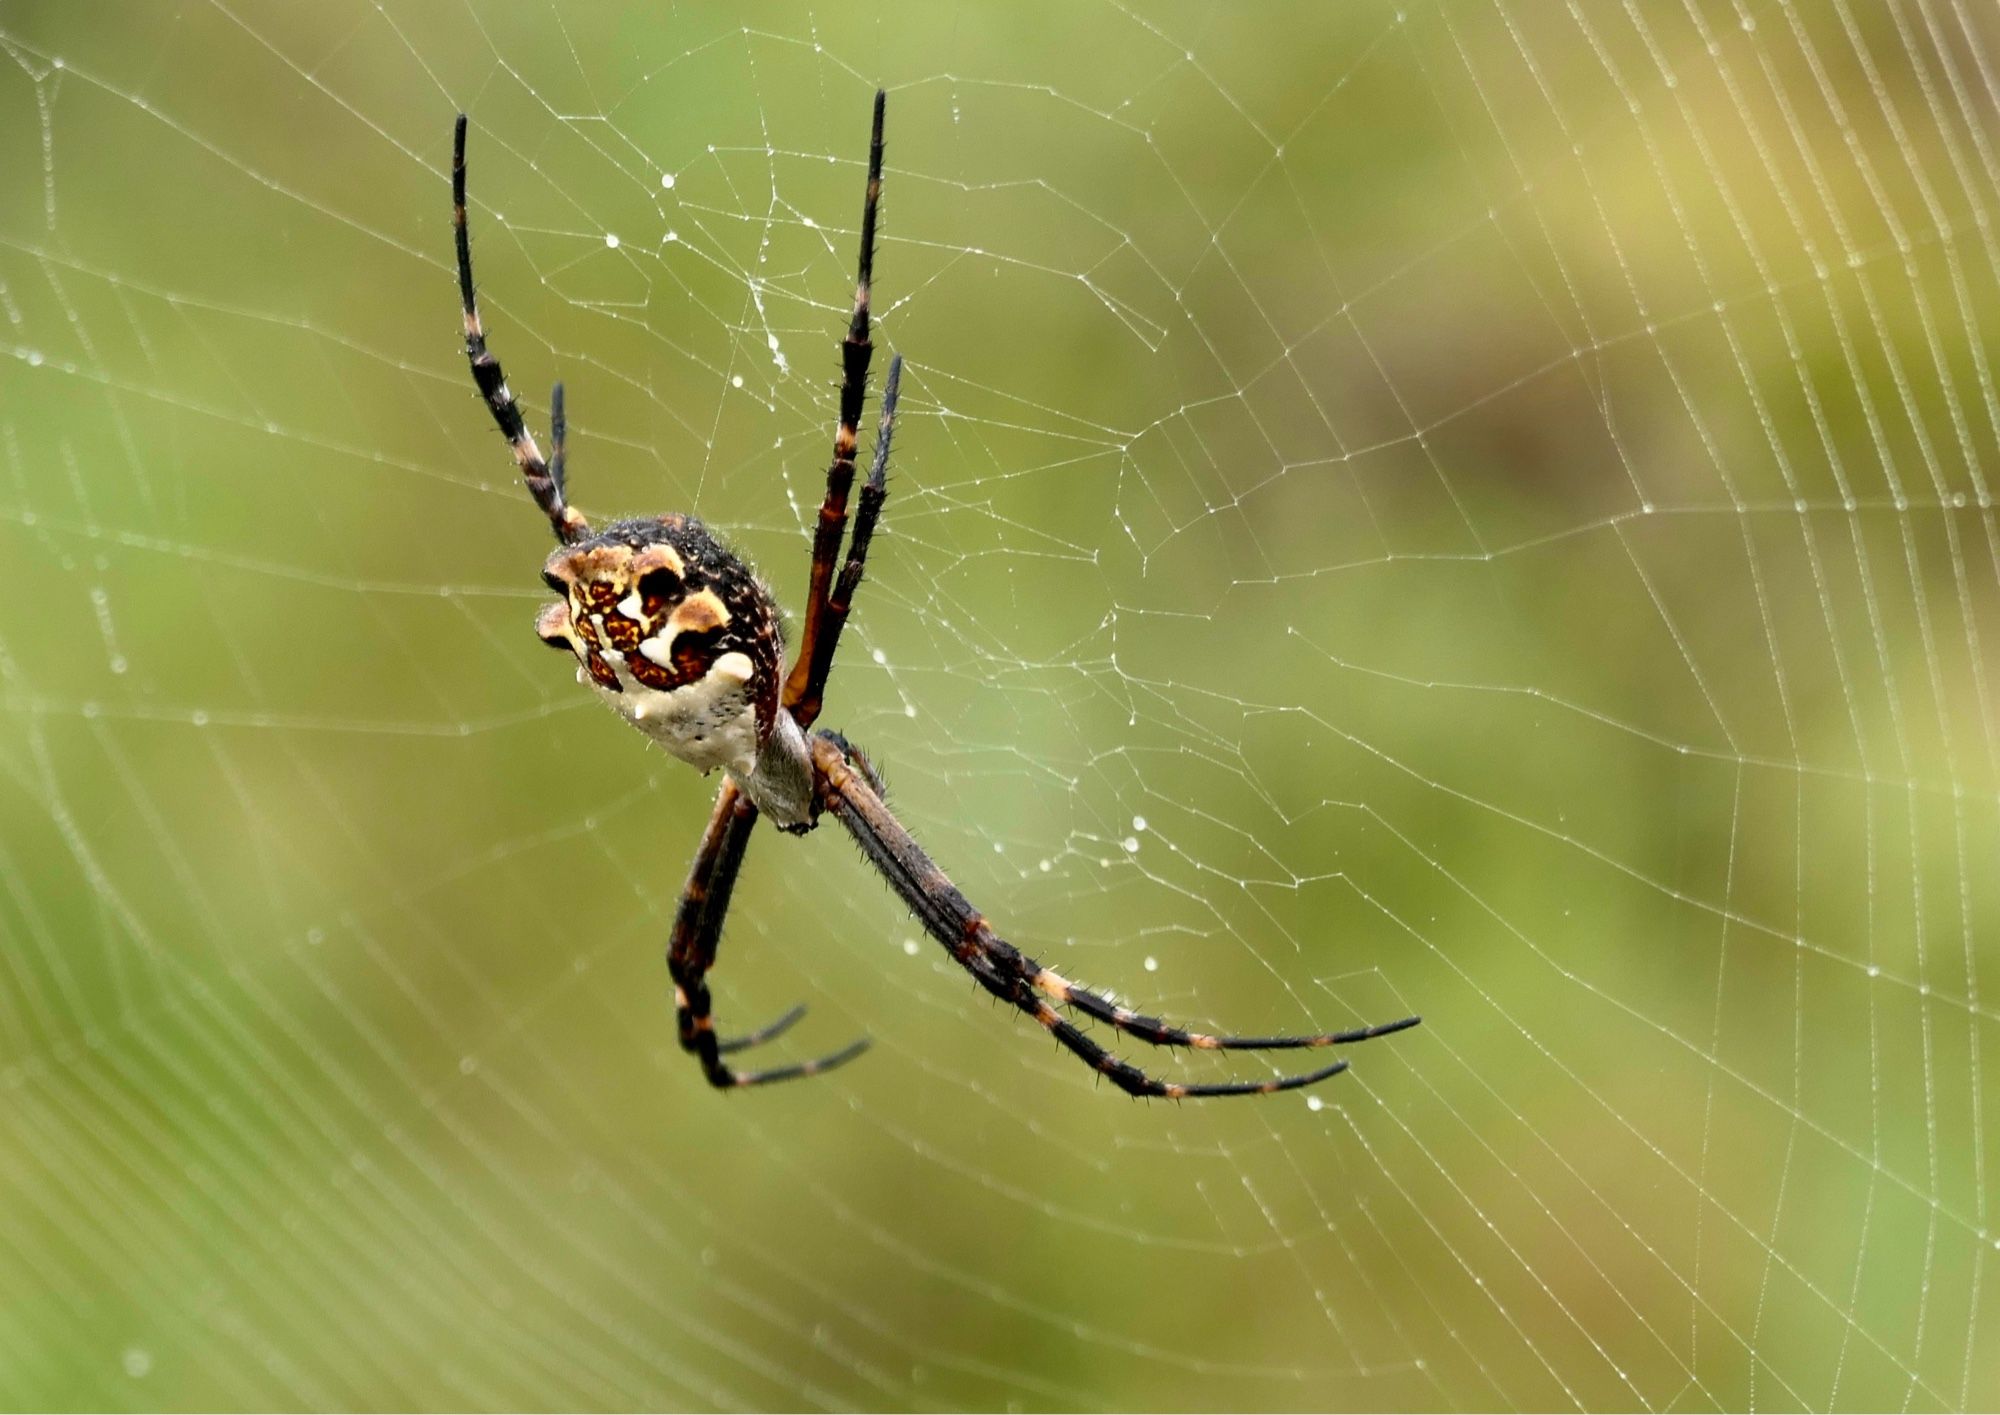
(874, 492)
(997, 965)
(763, 1034)
(691, 953)
(1002, 982)
(558, 435)
(1163, 1034)
(855, 352)
(545, 484)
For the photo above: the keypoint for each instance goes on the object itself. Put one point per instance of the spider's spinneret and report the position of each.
(676, 636)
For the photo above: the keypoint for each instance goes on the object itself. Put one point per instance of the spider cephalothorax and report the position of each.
(678, 637)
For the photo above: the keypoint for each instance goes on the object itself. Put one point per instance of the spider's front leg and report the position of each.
(848, 787)
(691, 953)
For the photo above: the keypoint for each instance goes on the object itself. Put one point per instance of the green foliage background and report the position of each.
(1500, 491)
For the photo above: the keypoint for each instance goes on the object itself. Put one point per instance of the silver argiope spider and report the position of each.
(679, 638)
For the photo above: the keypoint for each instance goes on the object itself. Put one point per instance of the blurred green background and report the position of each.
(1480, 509)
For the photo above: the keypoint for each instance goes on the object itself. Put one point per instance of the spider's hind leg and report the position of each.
(828, 598)
(544, 480)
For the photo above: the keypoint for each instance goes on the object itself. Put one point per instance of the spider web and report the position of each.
(1471, 508)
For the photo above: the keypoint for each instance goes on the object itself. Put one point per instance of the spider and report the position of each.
(678, 637)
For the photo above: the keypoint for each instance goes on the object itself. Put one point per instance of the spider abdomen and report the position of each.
(708, 723)
(675, 635)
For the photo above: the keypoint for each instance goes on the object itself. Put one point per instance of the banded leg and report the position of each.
(691, 953)
(874, 492)
(1004, 970)
(558, 438)
(545, 483)
(855, 352)
(1163, 1034)
(993, 975)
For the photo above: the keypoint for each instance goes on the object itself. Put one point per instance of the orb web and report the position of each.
(1473, 508)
